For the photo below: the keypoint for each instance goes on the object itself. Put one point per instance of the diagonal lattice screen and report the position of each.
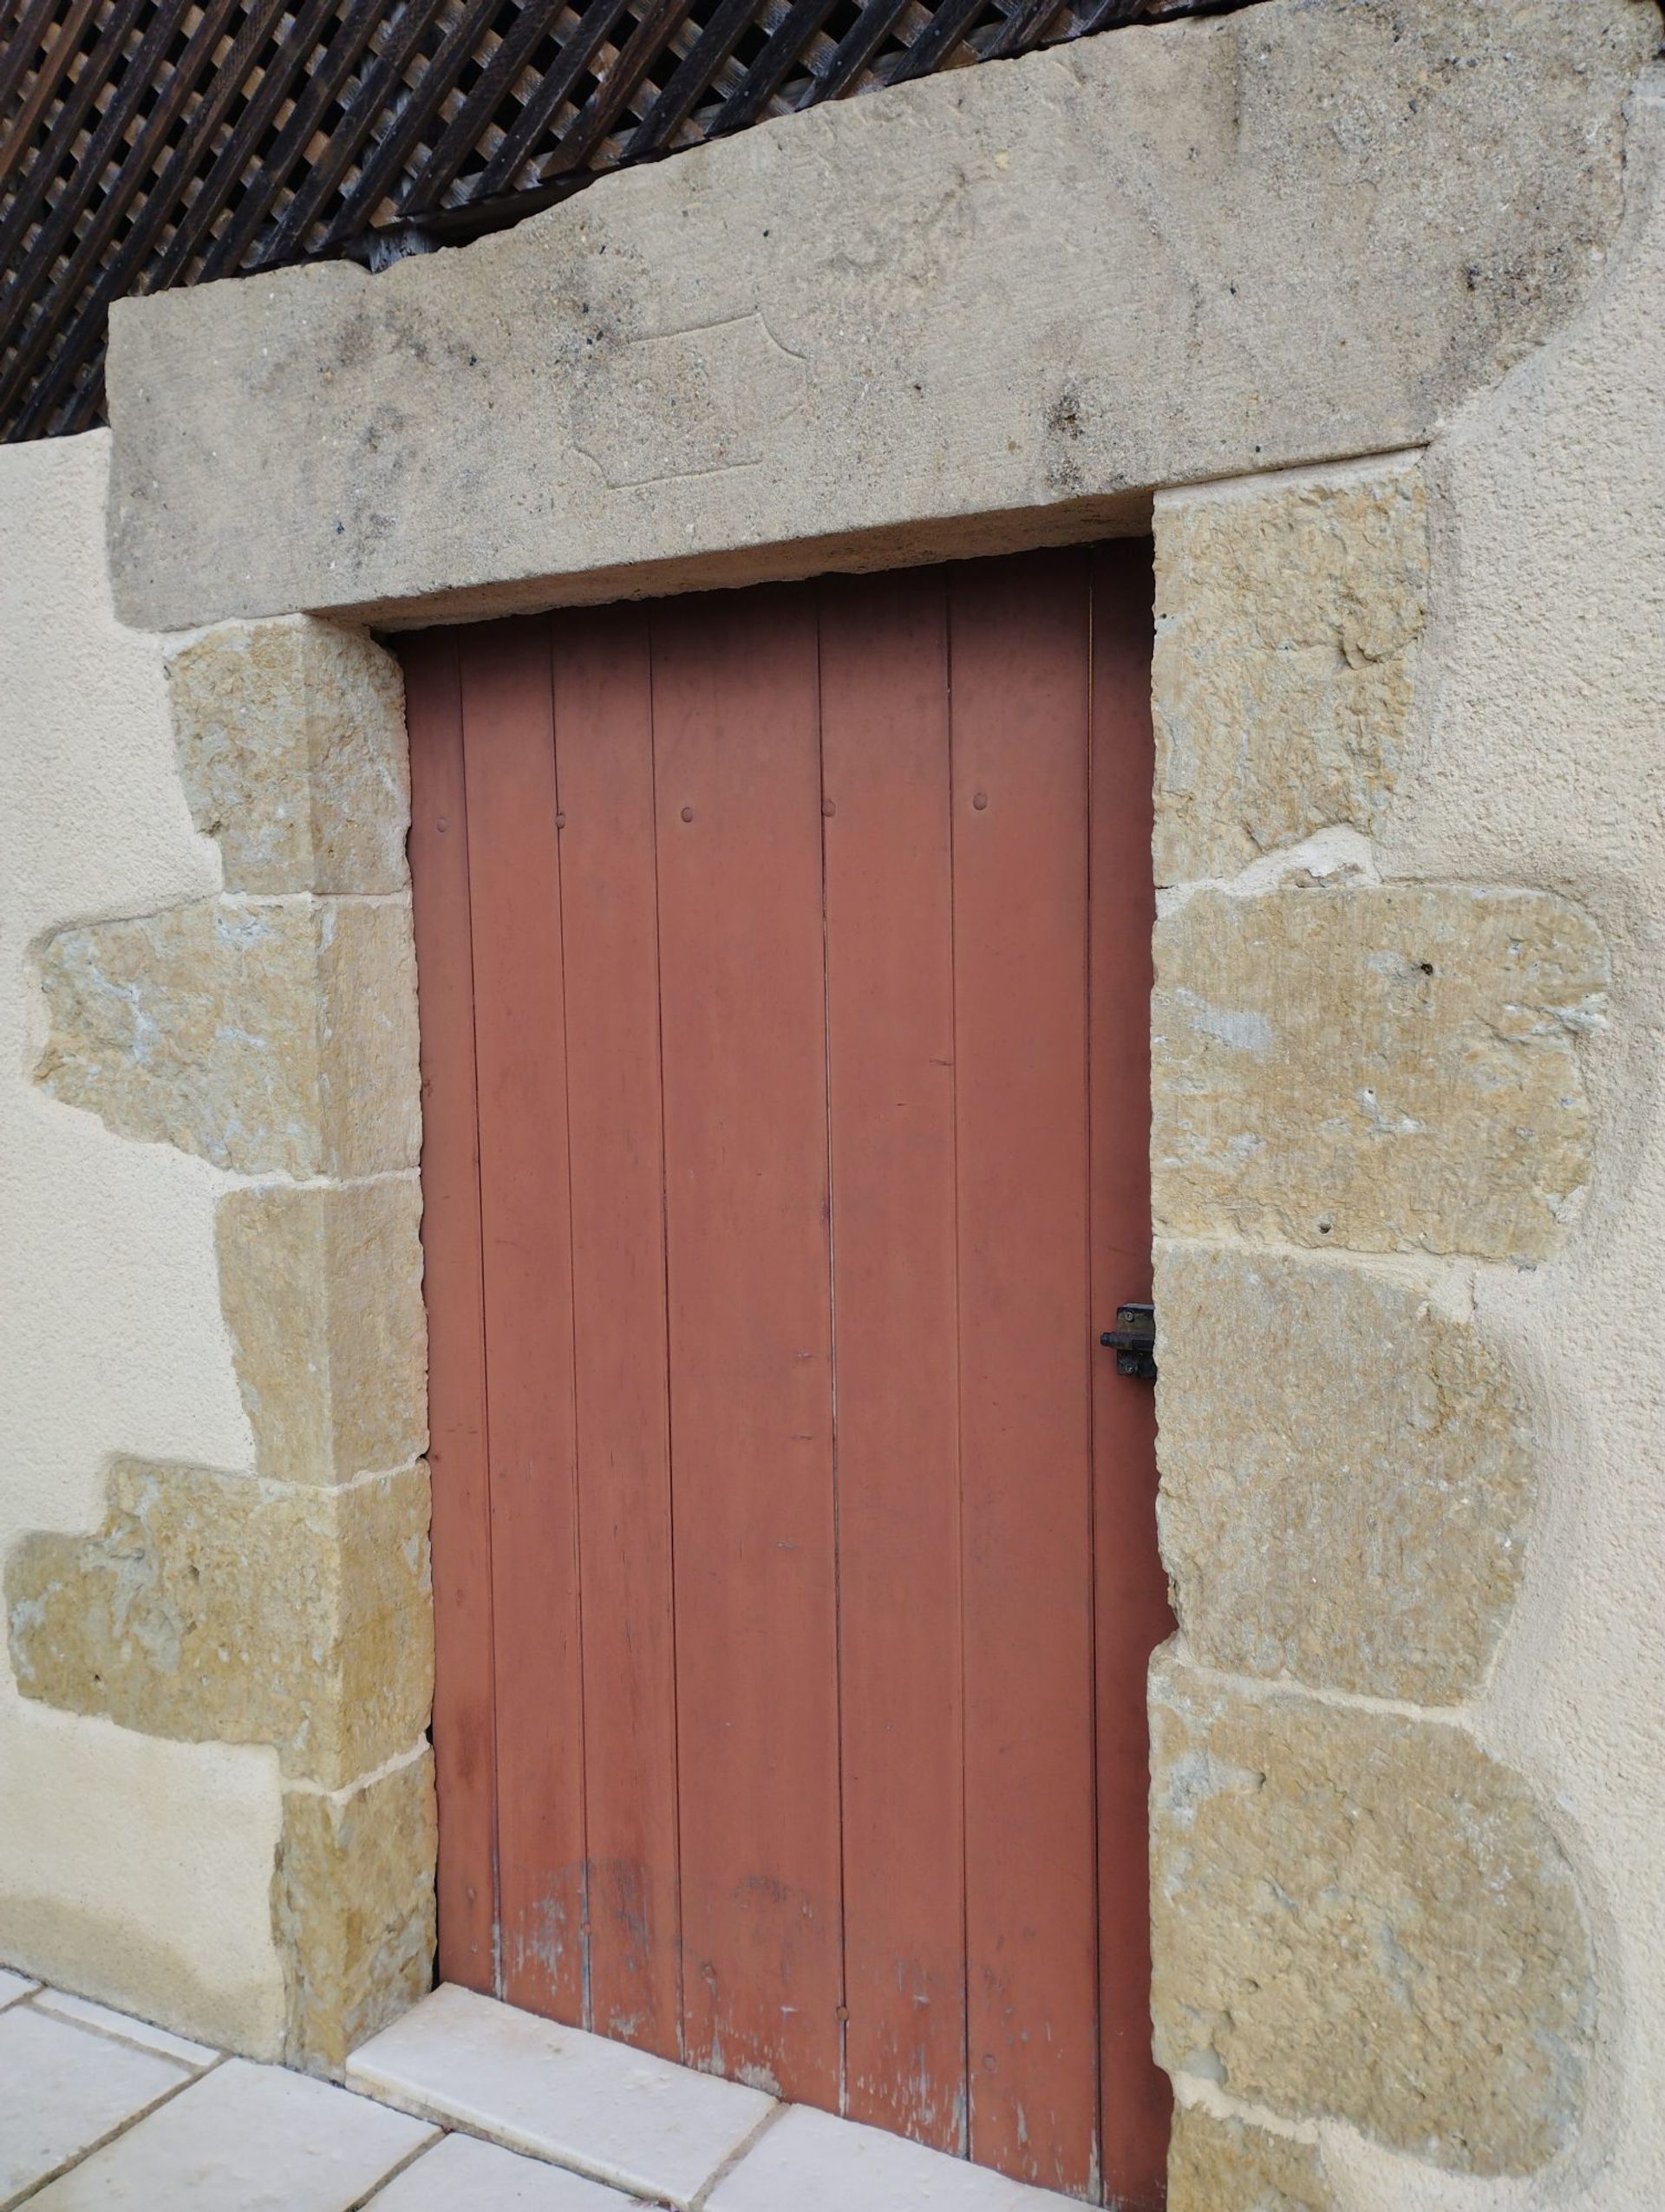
(145, 143)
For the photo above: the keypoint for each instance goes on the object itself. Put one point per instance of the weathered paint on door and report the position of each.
(784, 963)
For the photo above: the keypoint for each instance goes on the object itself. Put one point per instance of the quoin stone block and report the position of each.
(1385, 1067)
(264, 1036)
(1287, 621)
(1347, 1474)
(1226, 2166)
(292, 748)
(213, 1606)
(353, 1908)
(1363, 1916)
(322, 1292)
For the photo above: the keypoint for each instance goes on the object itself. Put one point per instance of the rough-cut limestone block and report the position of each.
(1387, 1067)
(322, 1289)
(1360, 1915)
(1221, 2165)
(1286, 627)
(353, 1909)
(291, 747)
(1347, 1474)
(865, 333)
(265, 1037)
(214, 1607)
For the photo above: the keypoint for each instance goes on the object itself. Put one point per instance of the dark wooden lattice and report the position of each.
(144, 143)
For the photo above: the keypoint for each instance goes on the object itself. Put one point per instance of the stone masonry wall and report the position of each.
(271, 1031)
(1368, 1094)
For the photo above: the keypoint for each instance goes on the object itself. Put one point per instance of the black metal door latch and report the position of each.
(1133, 1341)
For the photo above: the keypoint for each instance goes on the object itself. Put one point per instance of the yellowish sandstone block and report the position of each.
(1363, 1916)
(1347, 1474)
(353, 1909)
(1387, 1067)
(1219, 2165)
(291, 747)
(1286, 625)
(222, 1607)
(321, 1293)
(263, 1036)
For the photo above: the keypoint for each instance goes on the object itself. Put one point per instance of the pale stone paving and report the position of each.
(101, 2112)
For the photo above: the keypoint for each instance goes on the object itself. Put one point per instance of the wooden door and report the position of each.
(784, 968)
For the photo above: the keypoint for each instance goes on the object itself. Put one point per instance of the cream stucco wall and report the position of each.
(137, 1870)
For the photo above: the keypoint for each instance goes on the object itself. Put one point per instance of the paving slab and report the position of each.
(14, 1986)
(810, 2162)
(618, 2115)
(62, 2089)
(104, 2022)
(243, 2138)
(463, 2175)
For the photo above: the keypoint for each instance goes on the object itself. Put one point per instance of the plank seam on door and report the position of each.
(832, 1378)
(586, 1996)
(959, 1378)
(664, 1278)
(1095, 2186)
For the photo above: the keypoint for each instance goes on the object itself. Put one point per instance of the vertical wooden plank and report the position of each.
(464, 1745)
(514, 872)
(1130, 1588)
(605, 777)
(1019, 676)
(738, 810)
(891, 1042)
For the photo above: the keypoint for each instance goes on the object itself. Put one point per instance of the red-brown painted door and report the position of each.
(784, 966)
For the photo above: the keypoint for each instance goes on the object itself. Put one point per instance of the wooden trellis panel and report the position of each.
(147, 143)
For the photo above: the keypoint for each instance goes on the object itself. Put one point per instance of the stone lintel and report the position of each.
(1310, 228)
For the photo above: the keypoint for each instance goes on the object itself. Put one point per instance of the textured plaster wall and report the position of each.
(135, 1870)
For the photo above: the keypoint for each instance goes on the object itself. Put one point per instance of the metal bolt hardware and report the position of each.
(1133, 1341)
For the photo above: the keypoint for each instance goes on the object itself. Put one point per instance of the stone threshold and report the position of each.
(640, 2129)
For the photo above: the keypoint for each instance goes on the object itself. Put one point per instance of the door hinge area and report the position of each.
(1133, 1341)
